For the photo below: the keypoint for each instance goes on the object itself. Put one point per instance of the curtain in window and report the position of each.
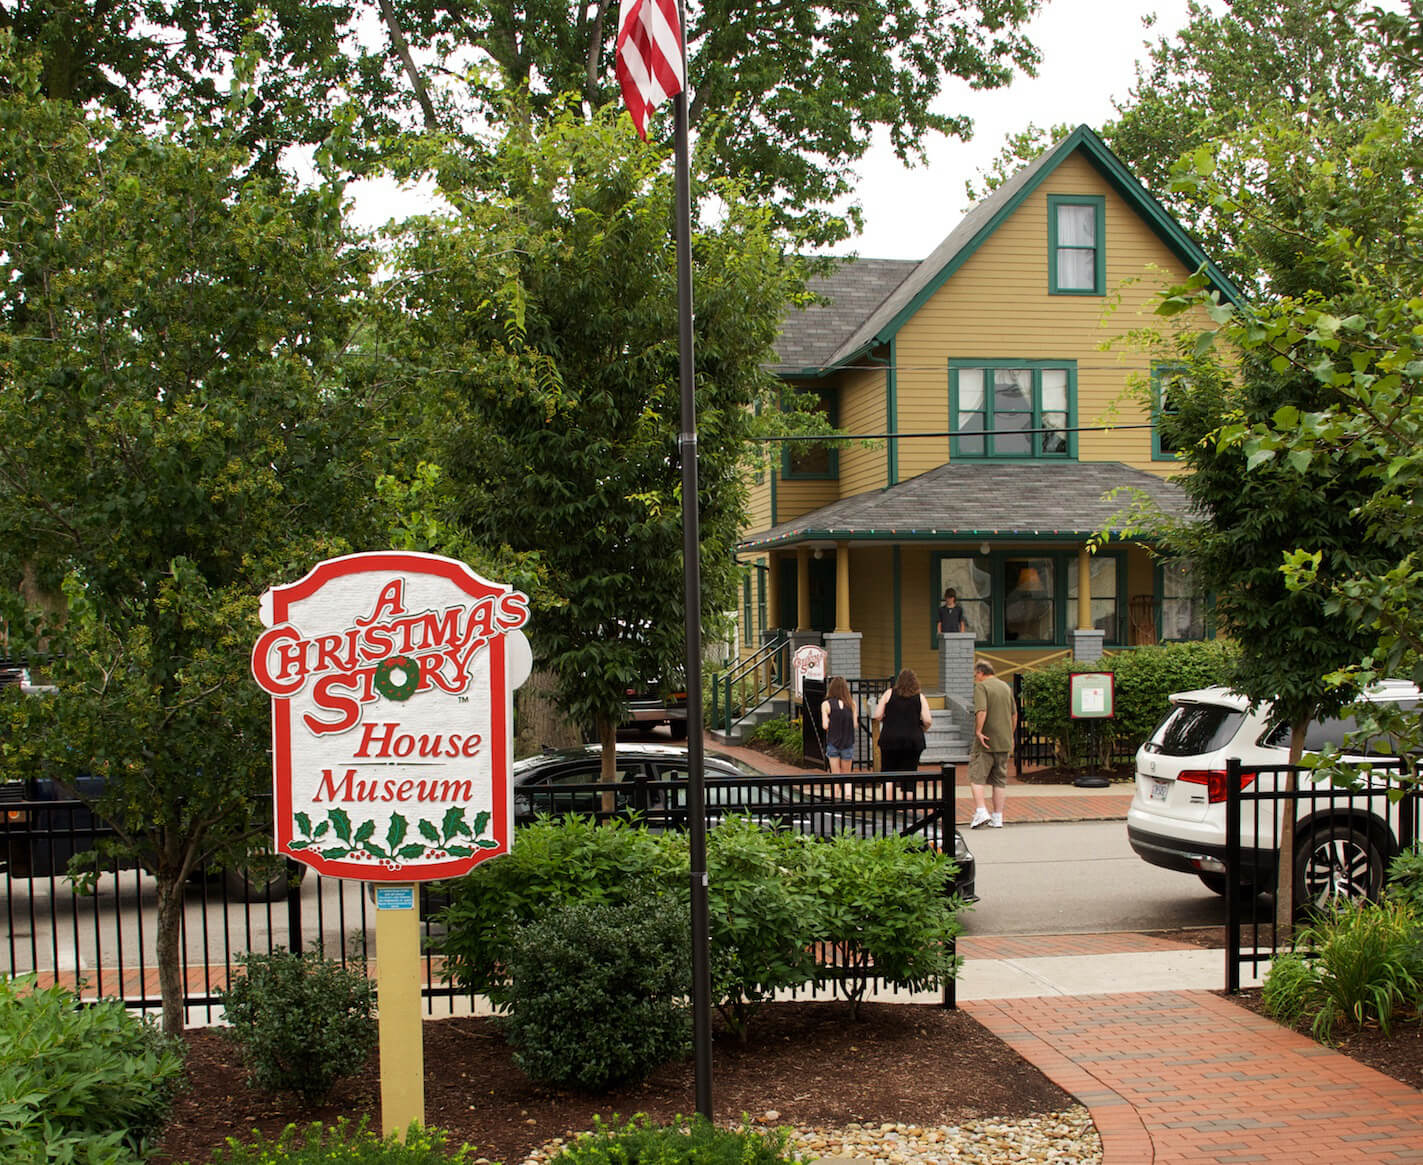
(1076, 247)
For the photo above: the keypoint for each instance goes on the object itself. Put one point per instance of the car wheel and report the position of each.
(679, 729)
(1337, 863)
(1215, 883)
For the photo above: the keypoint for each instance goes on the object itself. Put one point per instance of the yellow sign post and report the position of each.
(402, 1053)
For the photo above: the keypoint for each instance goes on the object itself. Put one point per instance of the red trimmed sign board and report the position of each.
(392, 677)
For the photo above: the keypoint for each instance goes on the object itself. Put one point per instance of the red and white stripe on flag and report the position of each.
(649, 56)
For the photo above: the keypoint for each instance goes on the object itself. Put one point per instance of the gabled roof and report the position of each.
(847, 297)
(905, 298)
(981, 499)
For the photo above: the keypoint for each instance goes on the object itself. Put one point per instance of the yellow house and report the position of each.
(1002, 418)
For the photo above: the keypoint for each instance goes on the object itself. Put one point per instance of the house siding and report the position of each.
(997, 305)
(863, 396)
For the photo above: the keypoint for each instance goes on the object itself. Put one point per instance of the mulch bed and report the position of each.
(807, 1063)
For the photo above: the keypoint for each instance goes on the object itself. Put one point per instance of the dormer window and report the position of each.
(1077, 263)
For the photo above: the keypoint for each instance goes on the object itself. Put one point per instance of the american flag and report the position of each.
(649, 56)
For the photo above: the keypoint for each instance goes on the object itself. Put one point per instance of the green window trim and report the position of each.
(962, 444)
(1207, 612)
(1097, 203)
(1162, 371)
(1064, 567)
(748, 629)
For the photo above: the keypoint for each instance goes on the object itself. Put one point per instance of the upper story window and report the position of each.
(1167, 383)
(806, 460)
(1012, 408)
(1077, 261)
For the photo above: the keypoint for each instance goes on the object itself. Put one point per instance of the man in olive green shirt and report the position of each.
(995, 722)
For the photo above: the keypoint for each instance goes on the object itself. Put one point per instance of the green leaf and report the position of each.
(396, 833)
(341, 822)
(454, 823)
(303, 822)
(365, 831)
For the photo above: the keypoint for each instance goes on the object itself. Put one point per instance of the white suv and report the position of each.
(1177, 817)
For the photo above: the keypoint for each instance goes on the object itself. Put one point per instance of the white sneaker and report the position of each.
(996, 821)
(980, 818)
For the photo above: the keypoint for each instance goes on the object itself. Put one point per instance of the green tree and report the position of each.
(1357, 350)
(177, 432)
(153, 62)
(1302, 452)
(1316, 68)
(540, 328)
(791, 94)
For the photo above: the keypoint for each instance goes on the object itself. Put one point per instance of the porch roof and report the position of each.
(980, 500)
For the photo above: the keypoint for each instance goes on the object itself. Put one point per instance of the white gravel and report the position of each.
(1066, 1138)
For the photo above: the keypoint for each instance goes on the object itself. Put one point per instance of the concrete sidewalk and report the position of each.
(1132, 1026)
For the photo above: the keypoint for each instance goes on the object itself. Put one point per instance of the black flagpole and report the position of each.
(691, 548)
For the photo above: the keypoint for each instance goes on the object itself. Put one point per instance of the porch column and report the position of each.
(773, 590)
(802, 588)
(842, 587)
(842, 646)
(1086, 640)
(1084, 589)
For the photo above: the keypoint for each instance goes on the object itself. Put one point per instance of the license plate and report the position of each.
(1159, 789)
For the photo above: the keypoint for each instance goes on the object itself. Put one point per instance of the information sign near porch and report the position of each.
(392, 677)
(1091, 698)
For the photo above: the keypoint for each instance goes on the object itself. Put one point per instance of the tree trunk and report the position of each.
(608, 738)
(1285, 871)
(171, 987)
(542, 723)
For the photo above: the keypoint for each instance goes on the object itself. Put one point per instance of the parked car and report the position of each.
(655, 703)
(1177, 818)
(560, 781)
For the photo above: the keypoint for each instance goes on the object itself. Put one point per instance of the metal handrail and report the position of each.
(771, 661)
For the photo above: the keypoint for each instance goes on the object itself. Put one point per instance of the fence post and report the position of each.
(948, 800)
(1232, 875)
(294, 870)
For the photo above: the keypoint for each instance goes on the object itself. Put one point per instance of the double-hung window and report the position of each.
(1077, 261)
(1012, 408)
(1166, 386)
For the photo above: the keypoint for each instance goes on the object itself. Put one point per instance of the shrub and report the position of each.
(342, 1144)
(1367, 965)
(80, 1082)
(884, 906)
(301, 1022)
(1405, 879)
(1145, 677)
(763, 917)
(598, 991)
(554, 862)
(696, 1142)
(1290, 992)
(781, 737)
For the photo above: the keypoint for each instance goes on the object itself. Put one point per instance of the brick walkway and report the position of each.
(1188, 1077)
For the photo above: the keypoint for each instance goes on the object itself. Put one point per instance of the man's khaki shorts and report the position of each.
(988, 768)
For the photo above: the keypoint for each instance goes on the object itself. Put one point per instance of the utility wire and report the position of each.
(961, 434)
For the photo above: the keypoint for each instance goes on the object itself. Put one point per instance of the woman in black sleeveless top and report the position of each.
(839, 720)
(903, 714)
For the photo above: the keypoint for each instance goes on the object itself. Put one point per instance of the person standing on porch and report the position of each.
(840, 721)
(903, 714)
(951, 614)
(995, 723)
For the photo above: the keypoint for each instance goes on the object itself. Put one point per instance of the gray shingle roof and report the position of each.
(981, 499)
(850, 294)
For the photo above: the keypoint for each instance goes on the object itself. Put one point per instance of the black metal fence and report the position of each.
(1344, 839)
(102, 940)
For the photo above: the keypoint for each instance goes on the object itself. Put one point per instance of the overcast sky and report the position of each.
(1089, 54)
(1089, 50)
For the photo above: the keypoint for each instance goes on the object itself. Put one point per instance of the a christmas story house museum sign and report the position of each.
(391, 677)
